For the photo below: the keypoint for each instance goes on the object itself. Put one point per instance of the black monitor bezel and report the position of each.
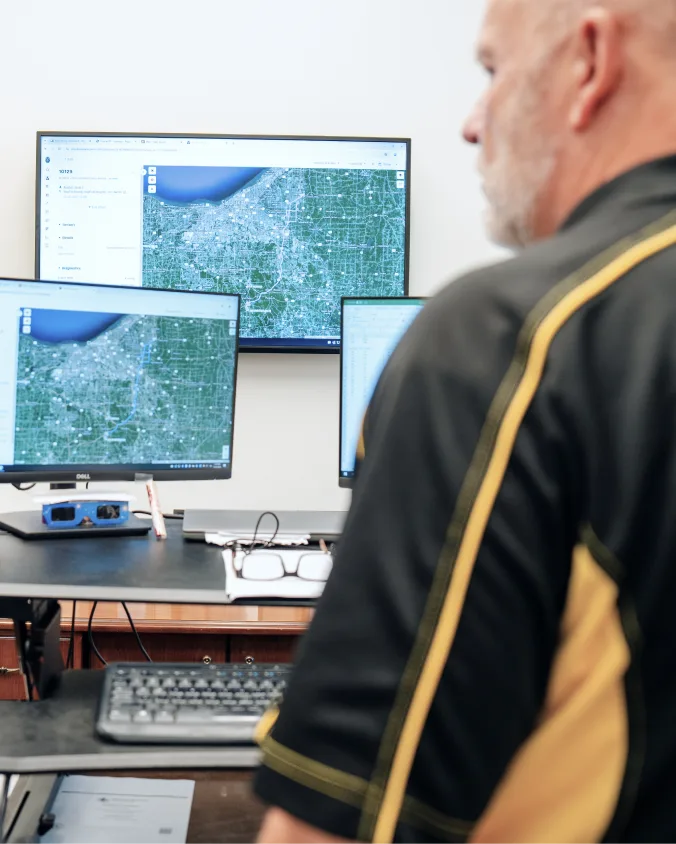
(348, 482)
(129, 472)
(244, 345)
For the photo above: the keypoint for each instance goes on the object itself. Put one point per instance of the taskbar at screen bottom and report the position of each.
(346, 479)
(289, 344)
(189, 470)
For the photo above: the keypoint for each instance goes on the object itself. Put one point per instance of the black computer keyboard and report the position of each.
(180, 703)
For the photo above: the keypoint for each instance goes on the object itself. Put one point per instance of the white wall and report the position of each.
(343, 67)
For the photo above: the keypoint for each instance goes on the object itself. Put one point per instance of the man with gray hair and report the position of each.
(493, 657)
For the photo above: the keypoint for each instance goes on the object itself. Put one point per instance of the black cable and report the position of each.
(70, 657)
(268, 542)
(22, 488)
(135, 632)
(90, 637)
(164, 515)
(19, 632)
(236, 544)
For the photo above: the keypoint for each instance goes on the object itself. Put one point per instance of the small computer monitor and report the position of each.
(290, 223)
(106, 383)
(370, 330)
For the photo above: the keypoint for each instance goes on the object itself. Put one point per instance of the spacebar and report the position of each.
(213, 716)
(194, 716)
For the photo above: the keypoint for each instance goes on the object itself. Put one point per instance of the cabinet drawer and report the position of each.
(11, 685)
(162, 647)
(263, 648)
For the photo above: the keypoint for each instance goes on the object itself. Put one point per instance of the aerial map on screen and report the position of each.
(123, 389)
(291, 241)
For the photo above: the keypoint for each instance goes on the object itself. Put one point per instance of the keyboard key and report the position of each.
(196, 716)
(119, 715)
(142, 717)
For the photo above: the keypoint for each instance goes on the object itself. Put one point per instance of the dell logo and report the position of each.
(83, 477)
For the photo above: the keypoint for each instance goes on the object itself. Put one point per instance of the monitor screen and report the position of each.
(291, 224)
(102, 383)
(370, 328)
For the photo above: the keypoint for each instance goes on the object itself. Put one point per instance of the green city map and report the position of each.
(291, 242)
(147, 389)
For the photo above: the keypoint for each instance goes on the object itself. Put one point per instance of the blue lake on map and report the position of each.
(189, 184)
(51, 326)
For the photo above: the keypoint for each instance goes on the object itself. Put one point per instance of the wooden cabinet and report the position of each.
(263, 648)
(162, 647)
(170, 633)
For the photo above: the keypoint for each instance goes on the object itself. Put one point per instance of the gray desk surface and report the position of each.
(113, 569)
(120, 568)
(57, 735)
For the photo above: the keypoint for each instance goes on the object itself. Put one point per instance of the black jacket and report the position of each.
(494, 657)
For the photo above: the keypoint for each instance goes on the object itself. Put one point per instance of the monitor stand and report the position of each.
(28, 524)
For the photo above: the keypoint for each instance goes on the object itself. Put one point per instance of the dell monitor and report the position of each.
(106, 383)
(370, 329)
(292, 224)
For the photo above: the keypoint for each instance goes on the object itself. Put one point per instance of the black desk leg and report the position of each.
(28, 810)
(38, 646)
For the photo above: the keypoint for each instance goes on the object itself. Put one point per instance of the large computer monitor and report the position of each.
(292, 224)
(370, 330)
(105, 383)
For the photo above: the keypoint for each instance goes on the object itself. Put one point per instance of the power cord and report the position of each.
(135, 632)
(23, 488)
(90, 637)
(70, 657)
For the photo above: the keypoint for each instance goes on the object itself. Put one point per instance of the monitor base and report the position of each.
(28, 524)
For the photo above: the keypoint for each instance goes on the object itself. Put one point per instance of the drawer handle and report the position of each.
(206, 660)
(4, 671)
(249, 660)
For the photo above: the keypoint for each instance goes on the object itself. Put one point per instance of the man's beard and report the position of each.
(515, 181)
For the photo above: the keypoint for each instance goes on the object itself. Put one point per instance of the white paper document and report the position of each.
(121, 810)
(274, 573)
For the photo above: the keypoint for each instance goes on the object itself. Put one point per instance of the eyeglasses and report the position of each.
(88, 513)
(268, 565)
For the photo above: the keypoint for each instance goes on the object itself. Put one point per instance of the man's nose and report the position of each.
(471, 131)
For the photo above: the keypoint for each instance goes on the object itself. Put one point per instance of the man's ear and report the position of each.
(598, 65)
